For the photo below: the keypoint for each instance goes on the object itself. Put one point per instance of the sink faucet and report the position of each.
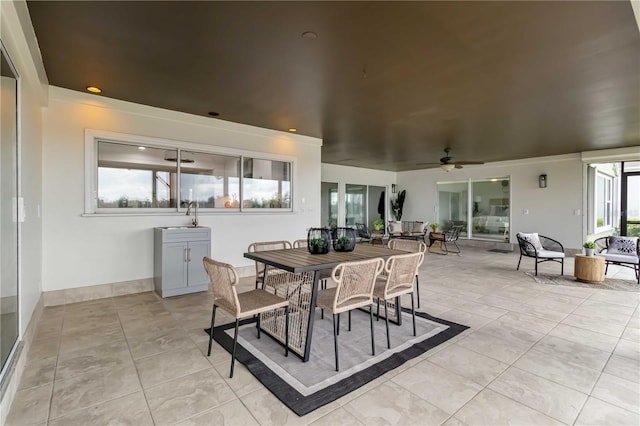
(194, 222)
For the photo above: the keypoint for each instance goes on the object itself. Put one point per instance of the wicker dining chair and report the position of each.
(411, 246)
(264, 246)
(300, 243)
(224, 279)
(353, 290)
(400, 271)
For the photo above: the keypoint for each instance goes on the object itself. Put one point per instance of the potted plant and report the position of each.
(378, 224)
(589, 248)
(344, 239)
(434, 227)
(318, 240)
(397, 204)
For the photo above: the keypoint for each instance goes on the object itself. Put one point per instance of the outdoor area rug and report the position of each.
(570, 281)
(306, 386)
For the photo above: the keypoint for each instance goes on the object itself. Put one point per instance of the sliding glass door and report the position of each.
(480, 206)
(8, 209)
(630, 199)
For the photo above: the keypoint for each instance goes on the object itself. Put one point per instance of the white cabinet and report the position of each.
(178, 253)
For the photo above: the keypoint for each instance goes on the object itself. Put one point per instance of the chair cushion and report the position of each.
(622, 245)
(532, 238)
(395, 227)
(548, 254)
(623, 258)
(418, 227)
(326, 297)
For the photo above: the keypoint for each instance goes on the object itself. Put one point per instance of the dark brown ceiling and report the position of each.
(386, 85)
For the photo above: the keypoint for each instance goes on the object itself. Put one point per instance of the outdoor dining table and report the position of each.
(299, 284)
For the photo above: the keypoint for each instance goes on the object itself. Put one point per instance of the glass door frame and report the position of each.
(624, 220)
(17, 210)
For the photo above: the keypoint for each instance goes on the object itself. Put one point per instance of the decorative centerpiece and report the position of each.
(344, 239)
(589, 248)
(318, 240)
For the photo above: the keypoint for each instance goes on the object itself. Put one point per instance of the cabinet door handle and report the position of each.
(185, 254)
(189, 251)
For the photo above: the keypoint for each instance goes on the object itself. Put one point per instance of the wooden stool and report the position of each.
(589, 269)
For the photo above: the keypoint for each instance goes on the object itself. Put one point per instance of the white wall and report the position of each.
(93, 249)
(552, 211)
(17, 33)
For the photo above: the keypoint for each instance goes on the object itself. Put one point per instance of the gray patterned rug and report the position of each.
(306, 386)
(570, 281)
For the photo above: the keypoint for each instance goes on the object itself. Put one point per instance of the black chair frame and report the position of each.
(602, 244)
(449, 236)
(527, 249)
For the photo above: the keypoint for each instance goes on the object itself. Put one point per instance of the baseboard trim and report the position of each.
(83, 294)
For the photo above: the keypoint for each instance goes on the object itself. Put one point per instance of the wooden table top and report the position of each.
(300, 260)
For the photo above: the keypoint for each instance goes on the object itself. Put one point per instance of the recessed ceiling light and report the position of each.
(293, 129)
(214, 114)
(309, 35)
(94, 89)
(142, 148)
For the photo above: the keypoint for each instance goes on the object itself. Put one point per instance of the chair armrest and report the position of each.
(550, 244)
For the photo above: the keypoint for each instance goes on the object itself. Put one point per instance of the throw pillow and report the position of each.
(395, 227)
(622, 245)
(417, 227)
(531, 238)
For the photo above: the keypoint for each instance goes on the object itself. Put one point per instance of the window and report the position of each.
(355, 204)
(135, 177)
(603, 201)
(329, 204)
(210, 180)
(266, 184)
(147, 175)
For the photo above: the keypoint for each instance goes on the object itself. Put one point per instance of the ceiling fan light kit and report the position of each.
(447, 167)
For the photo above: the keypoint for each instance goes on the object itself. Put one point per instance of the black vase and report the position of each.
(318, 240)
(344, 239)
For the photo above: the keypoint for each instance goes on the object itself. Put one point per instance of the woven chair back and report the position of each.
(224, 279)
(411, 246)
(300, 243)
(355, 282)
(265, 246)
(401, 271)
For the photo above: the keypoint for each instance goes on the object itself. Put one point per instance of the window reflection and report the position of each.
(211, 180)
(266, 184)
(135, 177)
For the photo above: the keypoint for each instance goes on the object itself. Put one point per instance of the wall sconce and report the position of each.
(542, 181)
(393, 188)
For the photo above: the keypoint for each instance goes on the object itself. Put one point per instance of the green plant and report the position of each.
(318, 243)
(378, 224)
(397, 204)
(343, 241)
(434, 227)
(589, 245)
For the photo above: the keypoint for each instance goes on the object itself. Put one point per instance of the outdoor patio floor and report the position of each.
(534, 354)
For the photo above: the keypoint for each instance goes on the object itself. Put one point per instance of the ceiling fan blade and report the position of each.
(466, 163)
(428, 164)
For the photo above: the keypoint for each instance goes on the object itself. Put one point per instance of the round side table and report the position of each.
(589, 269)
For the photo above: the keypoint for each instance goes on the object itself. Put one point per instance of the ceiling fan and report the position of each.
(447, 162)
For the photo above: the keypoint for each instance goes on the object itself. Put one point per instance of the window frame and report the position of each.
(608, 204)
(93, 137)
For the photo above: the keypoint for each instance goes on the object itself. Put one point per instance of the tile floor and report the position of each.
(535, 354)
